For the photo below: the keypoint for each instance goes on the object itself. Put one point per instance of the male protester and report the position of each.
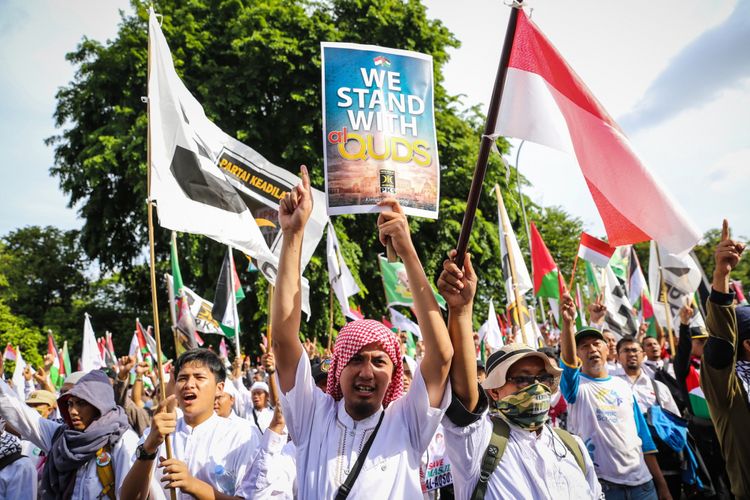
(45, 402)
(536, 461)
(649, 392)
(138, 417)
(362, 434)
(613, 364)
(210, 454)
(603, 411)
(653, 361)
(725, 371)
(18, 478)
(89, 455)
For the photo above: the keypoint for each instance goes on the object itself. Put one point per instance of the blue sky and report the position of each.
(676, 75)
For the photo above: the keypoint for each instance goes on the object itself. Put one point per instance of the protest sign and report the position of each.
(379, 129)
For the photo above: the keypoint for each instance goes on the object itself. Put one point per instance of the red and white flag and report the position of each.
(544, 101)
(9, 353)
(594, 250)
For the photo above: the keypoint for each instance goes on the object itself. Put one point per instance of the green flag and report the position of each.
(591, 278)
(396, 284)
(66, 359)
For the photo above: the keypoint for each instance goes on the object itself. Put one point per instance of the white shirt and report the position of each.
(650, 367)
(533, 466)
(435, 470)
(329, 441)
(644, 393)
(273, 474)
(602, 411)
(18, 481)
(32, 427)
(217, 441)
(243, 406)
(614, 368)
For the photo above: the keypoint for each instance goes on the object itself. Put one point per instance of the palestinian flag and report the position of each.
(647, 314)
(139, 345)
(697, 399)
(636, 280)
(188, 337)
(56, 371)
(381, 61)
(594, 250)
(591, 280)
(228, 294)
(10, 353)
(65, 359)
(543, 267)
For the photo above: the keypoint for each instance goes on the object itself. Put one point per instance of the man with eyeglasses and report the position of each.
(603, 410)
(513, 453)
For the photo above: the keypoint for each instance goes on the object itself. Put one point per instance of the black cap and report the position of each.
(588, 331)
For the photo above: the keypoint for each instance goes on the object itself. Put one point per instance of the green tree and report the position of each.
(255, 67)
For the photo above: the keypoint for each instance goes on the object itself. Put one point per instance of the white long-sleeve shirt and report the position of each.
(32, 427)
(243, 406)
(217, 441)
(273, 474)
(329, 441)
(18, 481)
(533, 466)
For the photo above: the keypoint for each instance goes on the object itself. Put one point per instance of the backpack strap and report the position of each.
(492, 456)
(105, 473)
(9, 459)
(572, 445)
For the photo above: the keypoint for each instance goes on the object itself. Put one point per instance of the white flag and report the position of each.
(490, 331)
(91, 358)
(404, 324)
(620, 317)
(339, 276)
(681, 279)
(206, 182)
(19, 383)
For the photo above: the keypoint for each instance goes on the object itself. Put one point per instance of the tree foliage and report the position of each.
(255, 67)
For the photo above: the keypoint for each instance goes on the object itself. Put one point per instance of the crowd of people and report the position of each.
(589, 415)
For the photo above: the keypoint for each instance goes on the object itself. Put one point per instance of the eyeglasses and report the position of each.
(527, 380)
(631, 350)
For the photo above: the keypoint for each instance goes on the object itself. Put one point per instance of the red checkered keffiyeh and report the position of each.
(353, 337)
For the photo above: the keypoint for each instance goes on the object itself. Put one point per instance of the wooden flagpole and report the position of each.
(486, 145)
(330, 316)
(154, 304)
(512, 265)
(269, 342)
(663, 295)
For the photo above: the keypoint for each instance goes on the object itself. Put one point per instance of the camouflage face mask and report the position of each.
(528, 408)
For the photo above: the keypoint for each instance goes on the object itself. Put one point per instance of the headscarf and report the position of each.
(352, 338)
(72, 449)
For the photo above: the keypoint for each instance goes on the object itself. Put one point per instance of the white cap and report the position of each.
(260, 386)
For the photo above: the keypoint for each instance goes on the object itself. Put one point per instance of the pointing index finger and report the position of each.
(725, 230)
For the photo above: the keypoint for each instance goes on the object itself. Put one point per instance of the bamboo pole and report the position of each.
(667, 310)
(511, 264)
(487, 141)
(330, 317)
(269, 341)
(152, 261)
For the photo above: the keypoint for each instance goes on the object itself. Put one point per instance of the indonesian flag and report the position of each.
(594, 250)
(545, 102)
(10, 353)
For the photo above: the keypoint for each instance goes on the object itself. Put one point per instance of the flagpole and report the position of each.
(663, 294)
(152, 257)
(234, 302)
(487, 141)
(170, 291)
(330, 316)
(512, 265)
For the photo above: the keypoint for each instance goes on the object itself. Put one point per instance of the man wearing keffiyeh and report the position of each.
(17, 472)
(725, 371)
(365, 381)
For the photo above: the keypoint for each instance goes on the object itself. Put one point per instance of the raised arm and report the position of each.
(294, 211)
(392, 224)
(568, 331)
(458, 288)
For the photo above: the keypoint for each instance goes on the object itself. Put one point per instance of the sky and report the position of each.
(675, 74)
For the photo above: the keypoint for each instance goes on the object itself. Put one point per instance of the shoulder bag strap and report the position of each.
(345, 488)
(9, 459)
(105, 472)
(492, 456)
(572, 445)
(656, 391)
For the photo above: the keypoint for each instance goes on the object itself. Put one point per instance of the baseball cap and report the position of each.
(500, 362)
(42, 397)
(588, 331)
(698, 332)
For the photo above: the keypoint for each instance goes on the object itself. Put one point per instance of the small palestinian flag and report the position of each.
(381, 61)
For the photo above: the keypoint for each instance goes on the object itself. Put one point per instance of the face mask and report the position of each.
(528, 408)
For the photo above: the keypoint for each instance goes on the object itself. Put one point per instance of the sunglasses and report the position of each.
(527, 380)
